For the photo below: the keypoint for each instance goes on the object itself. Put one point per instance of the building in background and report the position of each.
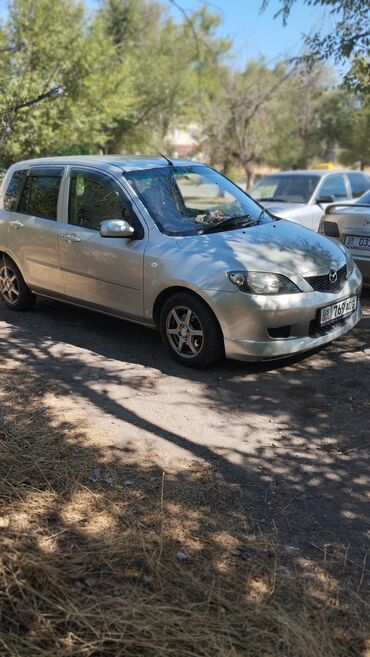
(186, 142)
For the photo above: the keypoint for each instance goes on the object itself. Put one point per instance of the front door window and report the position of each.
(93, 198)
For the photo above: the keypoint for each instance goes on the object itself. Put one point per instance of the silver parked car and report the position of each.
(173, 245)
(351, 225)
(302, 196)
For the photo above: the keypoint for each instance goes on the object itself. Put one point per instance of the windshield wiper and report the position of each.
(228, 222)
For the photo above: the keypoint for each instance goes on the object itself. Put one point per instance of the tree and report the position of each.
(311, 119)
(355, 138)
(348, 41)
(47, 42)
(240, 121)
(172, 65)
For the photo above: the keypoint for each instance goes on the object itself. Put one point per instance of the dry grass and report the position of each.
(92, 569)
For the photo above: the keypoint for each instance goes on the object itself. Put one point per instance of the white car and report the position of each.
(350, 224)
(302, 196)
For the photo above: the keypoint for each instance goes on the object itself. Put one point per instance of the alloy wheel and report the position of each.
(184, 332)
(9, 289)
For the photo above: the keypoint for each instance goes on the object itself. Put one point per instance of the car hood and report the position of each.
(281, 247)
(280, 209)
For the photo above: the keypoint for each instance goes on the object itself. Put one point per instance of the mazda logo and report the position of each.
(333, 276)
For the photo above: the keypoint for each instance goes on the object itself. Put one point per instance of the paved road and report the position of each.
(296, 433)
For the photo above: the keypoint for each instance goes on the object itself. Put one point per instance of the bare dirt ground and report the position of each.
(294, 433)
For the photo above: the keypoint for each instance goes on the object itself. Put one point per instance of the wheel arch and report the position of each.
(4, 252)
(175, 289)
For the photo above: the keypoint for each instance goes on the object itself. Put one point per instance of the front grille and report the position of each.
(316, 330)
(323, 284)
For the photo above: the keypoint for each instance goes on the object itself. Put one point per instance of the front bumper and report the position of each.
(279, 348)
(246, 321)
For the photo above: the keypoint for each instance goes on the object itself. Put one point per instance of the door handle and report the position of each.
(16, 225)
(70, 238)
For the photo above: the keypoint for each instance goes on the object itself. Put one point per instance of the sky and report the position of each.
(253, 33)
(256, 33)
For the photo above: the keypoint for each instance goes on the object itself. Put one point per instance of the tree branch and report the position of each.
(13, 109)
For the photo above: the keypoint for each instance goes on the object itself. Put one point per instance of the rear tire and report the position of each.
(190, 331)
(13, 290)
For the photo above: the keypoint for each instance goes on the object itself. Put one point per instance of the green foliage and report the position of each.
(238, 119)
(309, 122)
(355, 138)
(49, 42)
(172, 64)
(286, 117)
(348, 41)
(130, 72)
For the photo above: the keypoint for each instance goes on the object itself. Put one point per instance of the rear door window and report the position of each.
(40, 193)
(14, 189)
(359, 183)
(334, 186)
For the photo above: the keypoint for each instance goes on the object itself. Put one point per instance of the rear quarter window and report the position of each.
(40, 193)
(334, 186)
(14, 189)
(365, 198)
(359, 184)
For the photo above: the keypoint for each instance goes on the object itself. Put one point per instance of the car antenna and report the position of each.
(166, 158)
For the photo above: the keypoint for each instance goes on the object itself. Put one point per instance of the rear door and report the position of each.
(101, 272)
(334, 185)
(33, 229)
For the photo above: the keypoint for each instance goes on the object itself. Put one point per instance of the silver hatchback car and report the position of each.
(173, 245)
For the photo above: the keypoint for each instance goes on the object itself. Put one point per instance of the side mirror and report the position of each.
(116, 228)
(325, 198)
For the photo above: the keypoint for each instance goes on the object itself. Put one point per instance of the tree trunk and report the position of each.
(249, 176)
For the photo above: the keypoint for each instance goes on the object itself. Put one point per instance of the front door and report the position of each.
(101, 272)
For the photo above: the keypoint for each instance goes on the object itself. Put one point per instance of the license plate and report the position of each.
(357, 242)
(338, 310)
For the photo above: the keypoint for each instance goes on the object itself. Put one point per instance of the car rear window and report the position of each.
(40, 193)
(14, 189)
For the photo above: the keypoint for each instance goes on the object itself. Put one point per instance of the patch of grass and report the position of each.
(100, 557)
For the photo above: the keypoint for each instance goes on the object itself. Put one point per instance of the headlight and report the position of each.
(256, 282)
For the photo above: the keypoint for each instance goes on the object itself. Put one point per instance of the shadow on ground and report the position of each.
(259, 553)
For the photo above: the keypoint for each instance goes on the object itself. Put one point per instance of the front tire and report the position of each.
(190, 331)
(13, 290)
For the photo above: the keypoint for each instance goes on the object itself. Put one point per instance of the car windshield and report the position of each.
(294, 188)
(364, 199)
(187, 200)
